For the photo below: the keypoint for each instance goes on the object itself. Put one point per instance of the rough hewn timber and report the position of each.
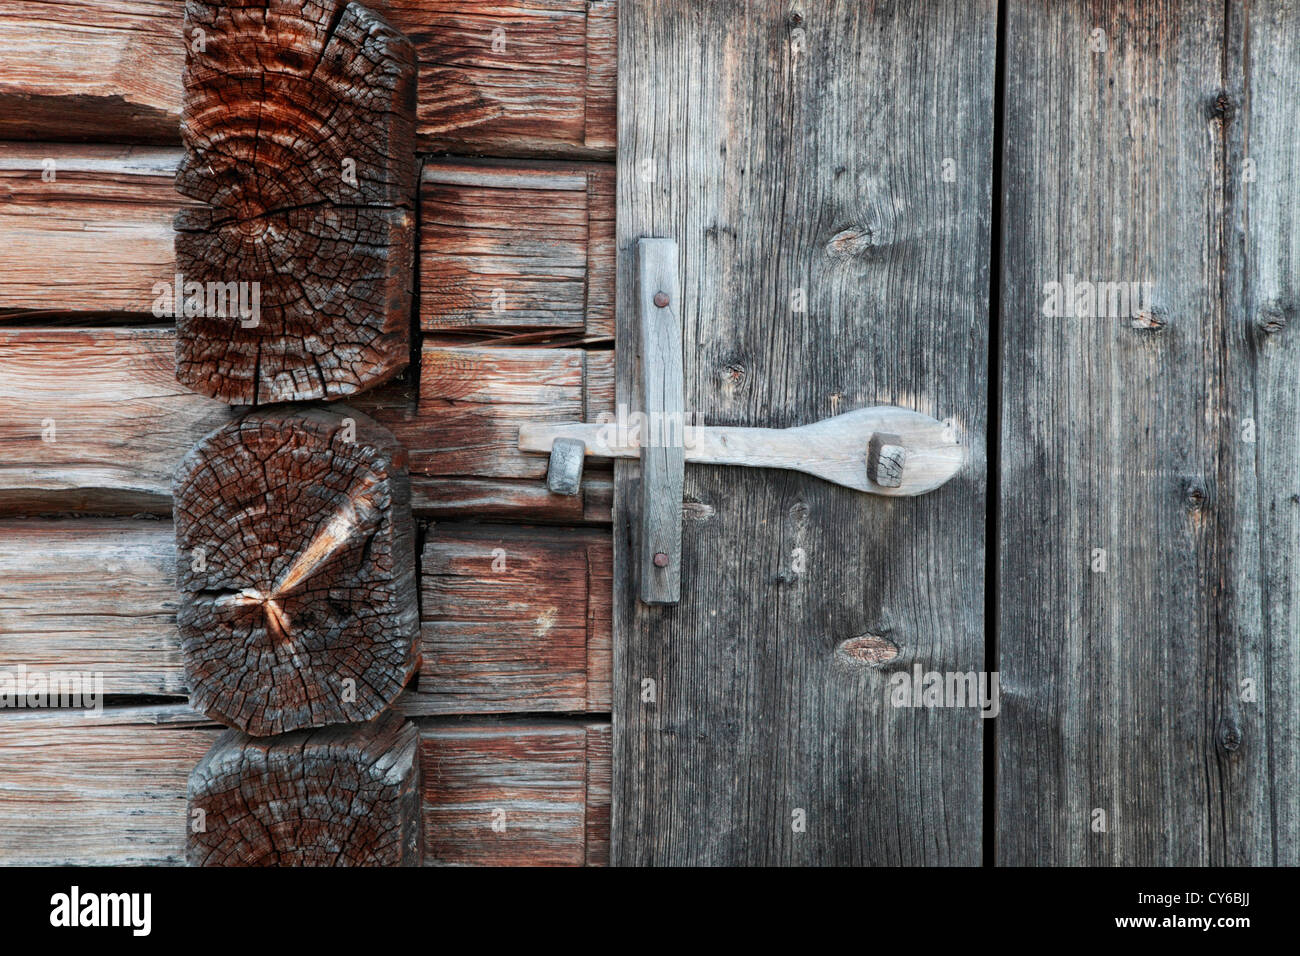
(88, 229)
(299, 134)
(111, 789)
(111, 71)
(122, 423)
(798, 160)
(513, 619)
(97, 239)
(93, 420)
(339, 796)
(296, 567)
(510, 248)
(503, 794)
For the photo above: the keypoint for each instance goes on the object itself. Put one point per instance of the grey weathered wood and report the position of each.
(564, 473)
(663, 461)
(1126, 434)
(886, 459)
(758, 153)
(1257, 742)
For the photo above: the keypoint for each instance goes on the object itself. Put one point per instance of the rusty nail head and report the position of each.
(661, 560)
(661, 300)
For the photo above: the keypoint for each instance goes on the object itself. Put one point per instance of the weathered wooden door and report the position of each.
(825, 170)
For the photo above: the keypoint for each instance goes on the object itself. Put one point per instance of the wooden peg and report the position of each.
(564, 473)
(886, 458)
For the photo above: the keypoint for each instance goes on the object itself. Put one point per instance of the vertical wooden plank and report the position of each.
(798, 158)
(1258, 646)
(663, 461)
(1130, 540)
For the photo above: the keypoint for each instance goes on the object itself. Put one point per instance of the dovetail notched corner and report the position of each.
(298, 124)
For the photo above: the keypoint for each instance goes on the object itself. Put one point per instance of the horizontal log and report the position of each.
(473, 400)
(94, 595)
(517, 247)
(110, 789)
(88, 229)
(94, 419)
(120, 424)
(504, 247)
(531, 77)
(514, 619)
(511, 794)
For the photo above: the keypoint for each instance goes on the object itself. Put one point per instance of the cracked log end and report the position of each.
(299, 131)
(340, 796)
(296, 568)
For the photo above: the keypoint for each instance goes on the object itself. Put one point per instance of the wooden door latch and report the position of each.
(884, 450)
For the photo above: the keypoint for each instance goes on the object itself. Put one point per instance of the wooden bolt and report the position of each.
(886, 458)
(302, 611)
(564, 473)
(341, 796)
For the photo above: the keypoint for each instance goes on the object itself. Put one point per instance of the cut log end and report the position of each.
(299, 134)
(339, 796)
(296, 567)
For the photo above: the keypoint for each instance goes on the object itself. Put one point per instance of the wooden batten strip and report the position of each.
(535, 78)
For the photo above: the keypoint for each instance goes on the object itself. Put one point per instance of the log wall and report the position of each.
(514, 310)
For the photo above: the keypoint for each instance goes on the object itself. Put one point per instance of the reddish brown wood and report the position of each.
(90, 69)
(340, 796)
(296, 567)
(300, 139)
(517, 247)
(111, 788)
(514, 618)
(515, 794)
(120, 432)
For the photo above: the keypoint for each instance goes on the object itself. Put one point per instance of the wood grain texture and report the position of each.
(96, 241)
(295, 562)
(515, 248)
(110, 70)
(766, 150)
(94, 238)
(514, 794)
(1262, 362)
(658, 531)
(299, 134)
(514, 619)
(106, 790)
(473, 401)
(122, 424)
(1125, 433)
(111, 789)
(95, 596)
(532, 636)
(338, 796)
(92, 69)
(94, 420)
